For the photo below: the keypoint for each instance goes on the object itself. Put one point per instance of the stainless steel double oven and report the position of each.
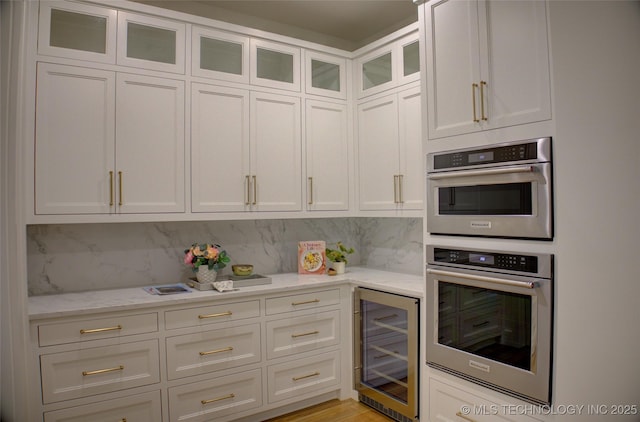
(489, 313)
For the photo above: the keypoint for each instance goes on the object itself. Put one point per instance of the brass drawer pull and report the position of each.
(386, 317)
(310, 333)
(462, 416)
(315, 374)
(228, 313)
(305, 303)
(101, 330)
(102, 371)
(211, 352)
(229, 396)
(255, 190)
(248, 193)
(310, 191)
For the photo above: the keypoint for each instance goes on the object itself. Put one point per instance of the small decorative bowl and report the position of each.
(242, 269)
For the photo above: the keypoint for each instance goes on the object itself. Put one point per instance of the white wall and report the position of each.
(596, 73)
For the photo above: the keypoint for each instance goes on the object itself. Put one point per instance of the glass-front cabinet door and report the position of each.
(325, 75)
(151, 43)
(78, 31)
(219, 55)
(410, 55)
(376, 71)
(275, 65)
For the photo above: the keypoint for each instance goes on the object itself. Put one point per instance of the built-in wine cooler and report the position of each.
(386, 352)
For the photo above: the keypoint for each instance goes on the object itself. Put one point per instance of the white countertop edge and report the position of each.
(92, 302)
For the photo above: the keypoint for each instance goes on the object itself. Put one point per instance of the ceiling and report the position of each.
(343, 24)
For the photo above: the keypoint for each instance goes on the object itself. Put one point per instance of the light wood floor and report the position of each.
(334, 411)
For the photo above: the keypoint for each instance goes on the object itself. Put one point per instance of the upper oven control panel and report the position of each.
(498, 261)
(533, 150)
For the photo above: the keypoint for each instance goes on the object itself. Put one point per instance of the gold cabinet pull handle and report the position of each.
(305, 302)
(120, 187)
(474, 86)
(212, 352)
(101, 330)
(382, 318)
(248, 191)
(315, 374)
(400, 190)
(462, 416)
(310, 191)
(482, 85)
(102, 371)
(310, 333)
(395, 188)
(228, 396)
(228, 313)
(255, 189)
(111, 188)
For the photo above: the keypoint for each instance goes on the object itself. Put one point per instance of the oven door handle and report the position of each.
(488, 172)
(522, 284)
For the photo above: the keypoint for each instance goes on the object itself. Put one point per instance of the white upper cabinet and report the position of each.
(150, 144)
(276, 163)
(75, 140)
(220, 149)
(219, 55)
(327, 153)
(390, 152)
(151, 43)
(78, 31)
(245, 151)
(108, 143)
(275, 65)
(325, 75)
(487, 65)
(389, 66)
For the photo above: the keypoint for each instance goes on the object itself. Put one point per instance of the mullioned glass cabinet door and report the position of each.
(77, 31)
(325, 75)
(219, 55)
(275, 65)
(151, 43)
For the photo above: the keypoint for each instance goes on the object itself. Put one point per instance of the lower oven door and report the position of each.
(508, 201)
(492, 329)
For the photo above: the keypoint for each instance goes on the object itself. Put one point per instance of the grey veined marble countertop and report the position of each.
(69, 304)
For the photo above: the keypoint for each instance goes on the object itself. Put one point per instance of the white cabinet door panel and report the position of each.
(412, 177)
(75, 140)
(219, 148)
(378, 153)
(150, 146)
(327, 156)
(277, 163)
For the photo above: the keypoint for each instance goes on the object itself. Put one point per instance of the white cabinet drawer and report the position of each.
(214, 399)
(301, 334)
(96, 328)
(140, 407)
(208, 351)
(302, 376)
(312, 300)
(204, 315)
(81, 373)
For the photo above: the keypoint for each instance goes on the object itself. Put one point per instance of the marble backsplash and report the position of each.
(81, 257)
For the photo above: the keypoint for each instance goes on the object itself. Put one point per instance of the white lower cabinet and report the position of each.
(216, 399)
(448, 403)
(298, 377)
(206, 360)
(139, 407)
(194, 354)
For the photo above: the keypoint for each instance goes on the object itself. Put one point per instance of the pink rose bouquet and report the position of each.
(209, 254)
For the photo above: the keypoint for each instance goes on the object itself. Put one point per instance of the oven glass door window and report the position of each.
(385, 348)
(493, 324)
(494, 199)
